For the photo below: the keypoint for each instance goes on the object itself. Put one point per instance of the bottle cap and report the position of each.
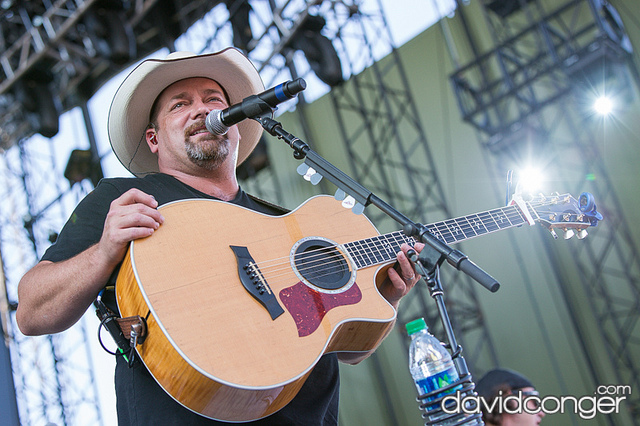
(415, 326)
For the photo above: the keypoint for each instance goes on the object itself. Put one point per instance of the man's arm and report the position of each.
(52, 296)
(394, 288)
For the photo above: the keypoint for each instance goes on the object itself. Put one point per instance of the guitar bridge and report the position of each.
(254, 282)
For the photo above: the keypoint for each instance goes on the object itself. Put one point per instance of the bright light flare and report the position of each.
(530, 180)
(603, 105)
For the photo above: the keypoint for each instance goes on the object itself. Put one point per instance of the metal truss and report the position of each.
(64, 45)
(53, 375)
(524, 96)
(538, 56)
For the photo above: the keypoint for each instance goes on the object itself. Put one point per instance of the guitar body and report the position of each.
(212, 345)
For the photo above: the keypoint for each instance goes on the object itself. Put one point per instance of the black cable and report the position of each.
(121, 352)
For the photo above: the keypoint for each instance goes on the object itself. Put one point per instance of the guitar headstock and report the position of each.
(567, 214)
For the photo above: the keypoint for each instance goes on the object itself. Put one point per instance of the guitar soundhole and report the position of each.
(321, 264)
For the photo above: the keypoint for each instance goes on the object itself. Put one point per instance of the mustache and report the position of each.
(198, 125)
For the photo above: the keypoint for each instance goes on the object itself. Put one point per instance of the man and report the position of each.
(157, 130)
(512, 398)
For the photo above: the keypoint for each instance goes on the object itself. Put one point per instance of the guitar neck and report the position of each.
(383, 248)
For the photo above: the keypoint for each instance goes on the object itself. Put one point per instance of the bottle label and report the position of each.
(437, 381)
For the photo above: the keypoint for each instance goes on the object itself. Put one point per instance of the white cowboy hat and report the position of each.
(131, 105)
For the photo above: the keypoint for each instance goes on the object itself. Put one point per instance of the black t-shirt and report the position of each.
(140, 400)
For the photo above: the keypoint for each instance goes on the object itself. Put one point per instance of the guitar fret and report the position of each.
(467, 228)
(378, 254)
(459, 228)
(501, 219)
(366, 253)
(395, 239)
(433, 229)
(376, 250)
(362, 253)
(477, 224)
(516, 216)
(532, 211)
(383, 248)
(449, 238)
(391, 244)
(348, 247)
(353, 251)
(489, 222)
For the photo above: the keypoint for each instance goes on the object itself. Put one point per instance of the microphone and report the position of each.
(219, 121)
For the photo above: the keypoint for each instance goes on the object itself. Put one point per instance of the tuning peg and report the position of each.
(553, 233)
(582, 233)
(568, 233)
(340, 194)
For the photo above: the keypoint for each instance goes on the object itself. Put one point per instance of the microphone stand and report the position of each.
(428, 262)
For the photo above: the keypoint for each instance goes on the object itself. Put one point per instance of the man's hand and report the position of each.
(131, 216)
(399, 283)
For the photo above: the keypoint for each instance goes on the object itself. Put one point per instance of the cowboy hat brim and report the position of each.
(131, 105)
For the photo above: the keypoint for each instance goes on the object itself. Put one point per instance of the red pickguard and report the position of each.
(308, 306)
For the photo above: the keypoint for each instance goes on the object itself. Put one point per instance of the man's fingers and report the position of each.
(407, 271)
(134, 196)
(132, 203)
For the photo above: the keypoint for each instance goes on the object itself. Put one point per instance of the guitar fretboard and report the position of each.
(383, 248)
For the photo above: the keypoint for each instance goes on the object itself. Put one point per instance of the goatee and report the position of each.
(208, 151)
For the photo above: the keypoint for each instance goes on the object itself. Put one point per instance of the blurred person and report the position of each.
(499, 389)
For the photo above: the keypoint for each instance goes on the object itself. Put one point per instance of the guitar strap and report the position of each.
(276, 207)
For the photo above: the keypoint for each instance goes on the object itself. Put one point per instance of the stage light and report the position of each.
(603, 105)
(318, 49)
(40, 105)
(109, 31)
(82, 165)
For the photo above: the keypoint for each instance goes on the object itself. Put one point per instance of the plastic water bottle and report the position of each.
(430, 365)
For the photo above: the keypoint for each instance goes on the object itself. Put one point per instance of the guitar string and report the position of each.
(438, 227)
(467, 228)
(367, 249)
(312, 257)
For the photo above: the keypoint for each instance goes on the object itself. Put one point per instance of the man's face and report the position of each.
(181, 138)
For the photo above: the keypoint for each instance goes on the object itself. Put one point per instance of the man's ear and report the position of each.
(152, 139)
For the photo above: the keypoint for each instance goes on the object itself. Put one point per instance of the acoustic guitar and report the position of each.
(240, 305)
